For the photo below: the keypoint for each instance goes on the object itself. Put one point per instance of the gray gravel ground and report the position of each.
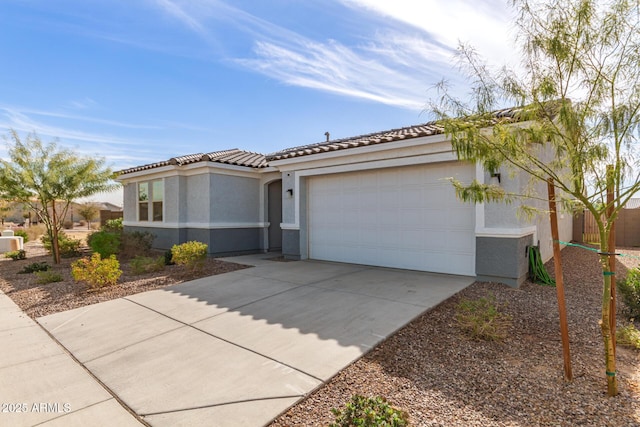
(442, 378)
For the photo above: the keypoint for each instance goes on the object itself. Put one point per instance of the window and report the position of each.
(157, 197)
(143, 201)
(150, 192)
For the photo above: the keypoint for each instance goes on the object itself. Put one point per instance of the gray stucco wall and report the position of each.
(227, 241)
(502, 259)
(130, 200)
(174, 199)
(288, 202)
(234, 199)
(291, 244)
(197, 196)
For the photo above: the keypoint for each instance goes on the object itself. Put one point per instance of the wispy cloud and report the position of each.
(376, 72)
(173, 9)
(396, 64)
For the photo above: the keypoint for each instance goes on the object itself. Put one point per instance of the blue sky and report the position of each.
(138, 81)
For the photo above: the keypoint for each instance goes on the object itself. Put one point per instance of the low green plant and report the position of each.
(96, 272)
(629, 290)
(190, 254)
(69, 247)
(16, 255)
(23, 234)
(45, 277)
(482, 319)
(369, 412)
(143, 264)
(34, 267)
(104, 243)
(168, 258)
(628, 336)
(113, 226)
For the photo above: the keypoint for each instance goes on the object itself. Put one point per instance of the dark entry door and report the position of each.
(275, 215)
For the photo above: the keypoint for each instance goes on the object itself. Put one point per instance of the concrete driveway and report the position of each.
(240, 348)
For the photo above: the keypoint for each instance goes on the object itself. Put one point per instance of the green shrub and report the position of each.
(113, 226)
(628, 336)
(45, 277)
(190, 254)
(481, 319)
(104, 243)
(143, 264)
(23, 234)
(34, 267)
(96, 272)
(35, 231)
(136, 243)
(629, 290)
(69, 247)
(369, 412)
(16, 255)
(168, 258)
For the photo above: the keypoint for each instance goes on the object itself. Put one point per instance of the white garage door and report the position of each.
(406, 217)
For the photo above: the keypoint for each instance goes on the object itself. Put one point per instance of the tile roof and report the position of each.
(416, 131)
(233, 156)
(238, 157)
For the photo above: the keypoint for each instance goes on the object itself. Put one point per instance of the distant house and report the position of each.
(379, 199)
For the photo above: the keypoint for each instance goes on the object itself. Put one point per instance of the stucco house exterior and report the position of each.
(378, 199)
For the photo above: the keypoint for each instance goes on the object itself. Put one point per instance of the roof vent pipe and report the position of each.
(327, 134)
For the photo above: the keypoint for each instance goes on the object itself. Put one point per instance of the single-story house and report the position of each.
(380, 199)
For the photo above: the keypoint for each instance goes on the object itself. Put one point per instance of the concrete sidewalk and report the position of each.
(41, 384)
(230, 350)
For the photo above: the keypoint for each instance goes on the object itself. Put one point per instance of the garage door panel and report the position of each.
(404, 217)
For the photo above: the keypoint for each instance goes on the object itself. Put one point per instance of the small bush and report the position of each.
(168, 258)
(45, 277)
(143, 264)
(69, 247)
(104, 243)
(35, 231)
(628, 336)
(629, 290)
(136, 243)
(34, 267)
(369, 412)
(16, 255)
(96, 272)
(68, 225)
(191, 254)
(113, 226)
(23, 234)
(481, 319)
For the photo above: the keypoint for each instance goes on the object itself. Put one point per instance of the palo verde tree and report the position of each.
(576, 121)
(89, 211)
(47, 179)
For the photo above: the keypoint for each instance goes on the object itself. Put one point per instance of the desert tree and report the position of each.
(576, 117)
(47, 179)
(89, 212)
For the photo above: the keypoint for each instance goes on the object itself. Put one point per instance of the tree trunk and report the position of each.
(55, 247)
(605, 323)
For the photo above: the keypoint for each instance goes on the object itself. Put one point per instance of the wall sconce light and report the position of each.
(495, 179)
(290, 191)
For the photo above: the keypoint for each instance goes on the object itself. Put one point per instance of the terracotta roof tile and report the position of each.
(416, 131)
(232, 157)
(256, 160)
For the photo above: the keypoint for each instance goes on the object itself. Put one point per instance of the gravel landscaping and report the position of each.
(442, 378)
(40, 300)
(430, 368)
